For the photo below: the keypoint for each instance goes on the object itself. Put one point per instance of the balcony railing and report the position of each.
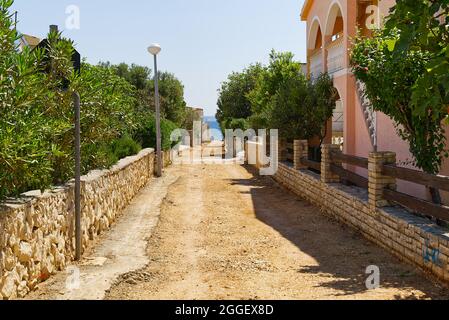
(316, 64)
(335, 56)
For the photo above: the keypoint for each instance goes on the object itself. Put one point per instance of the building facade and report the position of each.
(331, 26)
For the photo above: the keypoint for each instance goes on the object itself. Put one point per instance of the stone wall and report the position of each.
(411, 238)
(37, 231)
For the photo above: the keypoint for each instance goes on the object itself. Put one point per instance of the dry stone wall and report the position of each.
(37, 231)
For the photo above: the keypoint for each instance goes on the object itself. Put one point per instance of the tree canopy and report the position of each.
(422, 26)
(277, 96)
(36, 111)
(405, 69)
(171, 90)
(233, 101)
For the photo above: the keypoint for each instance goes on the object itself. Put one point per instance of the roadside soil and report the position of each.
(118, 251)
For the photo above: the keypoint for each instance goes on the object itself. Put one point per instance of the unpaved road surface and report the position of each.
(121, 250)
(225, 234)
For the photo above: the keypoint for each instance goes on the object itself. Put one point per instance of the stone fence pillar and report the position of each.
(377, 181)
(300, 150)
(326, 160)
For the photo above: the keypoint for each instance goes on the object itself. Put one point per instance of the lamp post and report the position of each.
(78, 231)
(154, 49)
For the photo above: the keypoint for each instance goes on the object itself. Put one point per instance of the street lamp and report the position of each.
(154, 49)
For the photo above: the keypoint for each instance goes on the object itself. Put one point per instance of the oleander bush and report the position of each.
(36, 113)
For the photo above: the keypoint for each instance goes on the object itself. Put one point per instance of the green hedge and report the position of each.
(36, 115)
(146, 134)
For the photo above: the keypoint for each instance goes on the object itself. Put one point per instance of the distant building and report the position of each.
(28, 41)
(331, 26)
(198, 113)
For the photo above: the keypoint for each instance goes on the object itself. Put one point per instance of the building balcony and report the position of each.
(316, 64)
(335, 55)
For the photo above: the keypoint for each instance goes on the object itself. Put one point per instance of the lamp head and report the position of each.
(154, 49)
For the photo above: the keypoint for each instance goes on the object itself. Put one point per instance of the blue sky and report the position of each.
(202, 40)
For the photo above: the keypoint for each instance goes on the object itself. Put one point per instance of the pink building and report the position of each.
(331, 24)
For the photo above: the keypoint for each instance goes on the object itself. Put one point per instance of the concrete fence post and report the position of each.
(378, 182)
(326, 161)
(300, 150)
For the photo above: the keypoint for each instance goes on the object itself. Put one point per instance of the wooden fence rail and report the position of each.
(289, 156)
(311, 164)
(422, 178)
(419, 177)
(289, 152)
(388, 170)
(418, 205)
(356, 161)
(347, 175)
(354, 178)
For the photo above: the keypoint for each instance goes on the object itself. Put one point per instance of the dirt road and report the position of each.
(121, 250)
(226, 234)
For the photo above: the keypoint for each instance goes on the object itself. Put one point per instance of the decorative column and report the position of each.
(300, 150)
(326, 161)
(377, 181)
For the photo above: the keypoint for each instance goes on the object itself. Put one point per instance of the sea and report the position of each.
(214, 126)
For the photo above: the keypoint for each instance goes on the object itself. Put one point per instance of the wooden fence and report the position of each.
(405, 174)
(289, 156)
(421, 178)
(311, 164)
(347, 175)
(388, 170)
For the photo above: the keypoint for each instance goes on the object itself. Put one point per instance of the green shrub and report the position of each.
(124, 147)
(36, 115)
(392, 94)
(235, 124)
(146, 135)
(277, 96)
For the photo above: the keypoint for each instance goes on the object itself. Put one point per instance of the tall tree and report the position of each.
(279, 71)
(397, 94)
(301, 108)
(173, 106)
(233, 102)
(414, 48)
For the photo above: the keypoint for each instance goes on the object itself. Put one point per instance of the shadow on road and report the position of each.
(342, 254)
